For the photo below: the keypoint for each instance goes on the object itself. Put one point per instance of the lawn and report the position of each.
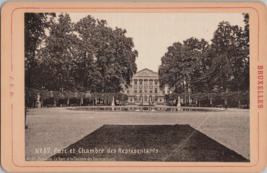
(58, 128)
(148, 143)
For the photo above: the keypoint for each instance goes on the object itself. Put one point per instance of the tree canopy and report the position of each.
(83, 56)
(197, 66)
(35, 26)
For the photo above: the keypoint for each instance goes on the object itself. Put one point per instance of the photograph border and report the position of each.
(12, 110)
(117, 8)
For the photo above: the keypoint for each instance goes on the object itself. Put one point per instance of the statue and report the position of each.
(112, 104)
(38, 103)
(211, 102)
(179, 102)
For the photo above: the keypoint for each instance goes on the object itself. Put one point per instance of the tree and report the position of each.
(110, 52)
(221, 67)
(34, 30)
(229, 57)
(56, 57)
(245, 54)
(184, 64)
(171, 69)
(86, 56)
(198, 62)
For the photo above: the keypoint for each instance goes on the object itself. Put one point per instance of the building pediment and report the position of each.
(146, 72)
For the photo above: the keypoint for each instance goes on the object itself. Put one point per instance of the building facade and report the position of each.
(145, 89)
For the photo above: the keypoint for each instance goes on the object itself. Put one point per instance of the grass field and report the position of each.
(53, 129)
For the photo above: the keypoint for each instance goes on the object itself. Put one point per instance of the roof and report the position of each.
(146, 71)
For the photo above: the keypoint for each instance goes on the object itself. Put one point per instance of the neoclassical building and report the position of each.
(145, 89)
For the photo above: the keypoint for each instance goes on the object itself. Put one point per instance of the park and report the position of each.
(86, 100)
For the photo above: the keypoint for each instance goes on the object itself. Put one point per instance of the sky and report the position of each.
(153, 33)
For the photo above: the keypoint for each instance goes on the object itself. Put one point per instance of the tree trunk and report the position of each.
(211, 102)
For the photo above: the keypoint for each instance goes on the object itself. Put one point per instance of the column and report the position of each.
(143, 90)
(134, 89)
(153, 91)
(143, 86)
(138, 84)
(153, 86)
(150, 86)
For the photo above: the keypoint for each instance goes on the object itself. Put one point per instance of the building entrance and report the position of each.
(146, 100)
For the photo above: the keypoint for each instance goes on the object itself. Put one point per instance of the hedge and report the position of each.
(44, 94)
(211, 96)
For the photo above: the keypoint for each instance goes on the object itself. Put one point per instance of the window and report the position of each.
(150, 86)
(151, 83)
(150, 91)
(145, 86)
(135, 86)
(139, 98)
(145, 91)
(163, 92)
(156, 91)
(145, 98)
(130, 100)
(135, 82)
(135, 98)
(128, 91)
(140, 91)
(135, 91)
(156, 98)
(156, 83)
(160, 100)
(140, 82)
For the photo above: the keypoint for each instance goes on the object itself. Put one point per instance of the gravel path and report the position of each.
(57, 128)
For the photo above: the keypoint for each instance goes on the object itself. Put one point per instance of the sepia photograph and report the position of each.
(142, 87)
